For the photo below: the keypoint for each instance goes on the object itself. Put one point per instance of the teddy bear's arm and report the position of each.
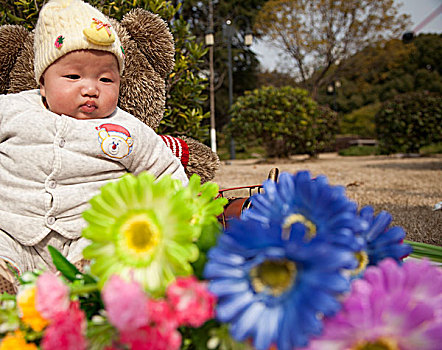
(195, 157)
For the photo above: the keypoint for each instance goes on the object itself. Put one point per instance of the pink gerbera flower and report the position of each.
(393, 308)
(52, 295)
(67, 330)
(191, 300)
(126, 303)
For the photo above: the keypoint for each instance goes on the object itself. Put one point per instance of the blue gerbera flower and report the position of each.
(381, 241)
(274, 285)
(309, 205)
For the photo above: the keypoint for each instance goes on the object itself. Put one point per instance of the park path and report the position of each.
(408, 188)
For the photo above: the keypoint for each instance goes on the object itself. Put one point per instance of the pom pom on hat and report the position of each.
(68, 25)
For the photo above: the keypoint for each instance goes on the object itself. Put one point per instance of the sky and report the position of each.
(418, 9)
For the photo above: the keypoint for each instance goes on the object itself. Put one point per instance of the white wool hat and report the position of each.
(68, 25)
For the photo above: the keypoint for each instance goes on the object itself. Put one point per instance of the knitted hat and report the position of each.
(68, 25)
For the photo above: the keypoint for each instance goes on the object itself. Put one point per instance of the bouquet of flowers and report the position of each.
(303, 268)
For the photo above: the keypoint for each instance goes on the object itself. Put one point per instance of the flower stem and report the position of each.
(84, 289)
(424, 250)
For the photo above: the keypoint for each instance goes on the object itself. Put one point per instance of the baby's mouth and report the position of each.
(88, 107)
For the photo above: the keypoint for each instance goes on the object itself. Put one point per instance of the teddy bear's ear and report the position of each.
(142, 88)
(153, 38)
(14, 39)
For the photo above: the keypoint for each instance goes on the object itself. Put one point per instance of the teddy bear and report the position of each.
(149, 57)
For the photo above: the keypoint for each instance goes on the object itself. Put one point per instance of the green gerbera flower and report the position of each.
(142, 227)
(205, 208)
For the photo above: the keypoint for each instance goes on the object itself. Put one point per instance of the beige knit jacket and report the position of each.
(51, 165)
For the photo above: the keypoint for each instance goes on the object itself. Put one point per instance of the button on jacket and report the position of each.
(51, 165)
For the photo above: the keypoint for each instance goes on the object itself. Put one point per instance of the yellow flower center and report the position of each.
(294, 218)
(378, 344)
(140, 234)
(273, 276)
(362, 258)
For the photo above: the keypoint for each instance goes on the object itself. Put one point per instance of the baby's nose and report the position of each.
(90, 89)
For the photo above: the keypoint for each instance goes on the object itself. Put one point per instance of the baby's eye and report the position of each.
(106, 80)
(72, 76)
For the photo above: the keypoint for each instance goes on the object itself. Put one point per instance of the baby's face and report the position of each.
(82, 84)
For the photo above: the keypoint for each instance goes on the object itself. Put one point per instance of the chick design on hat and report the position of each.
(99, 33)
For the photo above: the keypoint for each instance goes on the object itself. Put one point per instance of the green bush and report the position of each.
(359, 151)
(361, 121)
(434, 148)
(284, 120)
(325, 126)
(408, 122)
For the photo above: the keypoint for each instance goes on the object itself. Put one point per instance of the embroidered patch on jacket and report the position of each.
(115, 140)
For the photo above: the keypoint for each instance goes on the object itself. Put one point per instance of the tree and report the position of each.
(379, 72)
(319, 34)
(244, 62)
(275, 78)
(185, 85)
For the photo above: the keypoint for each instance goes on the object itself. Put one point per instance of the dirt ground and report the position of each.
(408, 188)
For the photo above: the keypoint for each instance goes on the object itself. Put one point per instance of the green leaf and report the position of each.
(14, 18)
(100, 335)
(67, 269)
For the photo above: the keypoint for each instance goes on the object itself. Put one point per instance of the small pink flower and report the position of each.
(143, 323)
(191, 300)
(126, 304)
(151, 338)
(162, 315)
(66, 330)
(161, 332)
(52, 295)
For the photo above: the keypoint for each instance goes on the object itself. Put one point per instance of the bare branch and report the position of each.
(316, 33)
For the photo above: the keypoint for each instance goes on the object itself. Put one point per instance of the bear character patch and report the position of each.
(115, 140)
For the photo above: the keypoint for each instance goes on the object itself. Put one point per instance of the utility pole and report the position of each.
(228, 32)
(211, 84)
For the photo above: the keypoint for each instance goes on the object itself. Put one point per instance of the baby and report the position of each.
(61, 143)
